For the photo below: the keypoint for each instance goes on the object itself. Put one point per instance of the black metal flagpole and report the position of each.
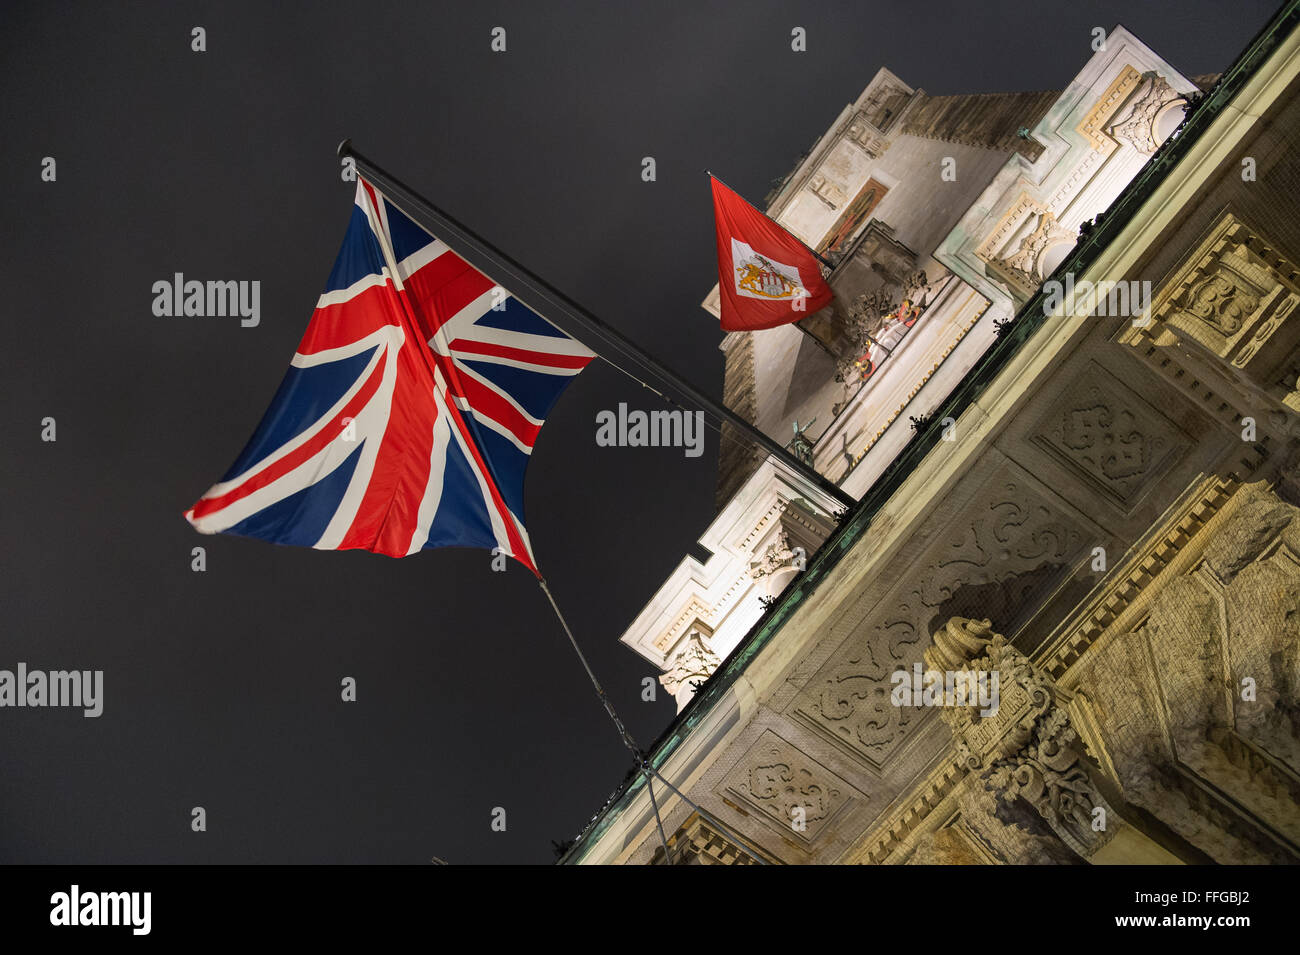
(544, 298)
(811, 251)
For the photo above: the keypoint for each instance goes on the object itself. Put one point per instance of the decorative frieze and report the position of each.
(788, 788)
(1006, 547)
(1232, 300)
(1118, 443)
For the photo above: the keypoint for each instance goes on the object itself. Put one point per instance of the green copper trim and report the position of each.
(1027, 321)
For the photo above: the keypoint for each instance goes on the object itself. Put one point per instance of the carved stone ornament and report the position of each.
(1047, 231)
(1027, 748)
(1221, 300)
(695, 661)
(1230, 311)
(877, 318)
(1008, 548)
(776, 557)
(787, 789)
(1134, 121)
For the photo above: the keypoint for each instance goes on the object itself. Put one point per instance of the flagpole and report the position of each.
(544, 298)
(647, 768)
(811, 251)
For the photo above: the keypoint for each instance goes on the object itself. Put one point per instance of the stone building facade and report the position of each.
(1092, 503)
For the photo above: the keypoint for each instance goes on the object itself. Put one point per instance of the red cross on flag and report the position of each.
(766, 277)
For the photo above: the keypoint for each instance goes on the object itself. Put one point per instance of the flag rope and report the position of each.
(600, 690)
(645, 765)
(659, 823)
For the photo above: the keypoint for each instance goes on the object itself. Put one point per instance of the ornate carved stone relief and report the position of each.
(874, 263)
(1013, 251)
(1232, 305)
(1027, 749)
(1196, 704)
(1024, 210)
(1021, 266)
(691, 664)
(775, 557)
(788, 788)
(1127, 111)
(1112, 679)
(1093, 124)
(1134, 122)
(1116, 442)
(1007, 548)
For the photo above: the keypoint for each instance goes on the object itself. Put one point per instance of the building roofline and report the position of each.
(1028, 320)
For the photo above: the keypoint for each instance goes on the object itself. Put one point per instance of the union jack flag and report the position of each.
(409, 411)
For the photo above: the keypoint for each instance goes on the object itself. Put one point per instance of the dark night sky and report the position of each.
(222, 688)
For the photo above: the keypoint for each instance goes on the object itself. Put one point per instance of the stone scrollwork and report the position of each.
(1226, 321)
(1007, 549)
(1051, 775)
(1134, 122)
(693, 663)
(1027, 748)
(787, 787)
(776, 557)
(1233, 295)
(1023, 263)
(1221, 300)
(1110, 437)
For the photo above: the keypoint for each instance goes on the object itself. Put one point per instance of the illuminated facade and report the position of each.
(1087, 490)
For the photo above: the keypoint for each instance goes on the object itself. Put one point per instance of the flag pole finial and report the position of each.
(345, 148)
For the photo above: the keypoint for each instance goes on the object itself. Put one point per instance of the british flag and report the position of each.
(409, 411)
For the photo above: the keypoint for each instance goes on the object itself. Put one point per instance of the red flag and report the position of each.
(766, 277)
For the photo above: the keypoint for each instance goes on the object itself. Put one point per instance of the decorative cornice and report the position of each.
(1093, 124)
